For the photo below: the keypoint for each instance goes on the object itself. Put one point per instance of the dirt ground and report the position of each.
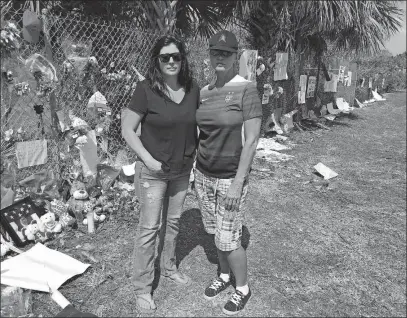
(315, 248)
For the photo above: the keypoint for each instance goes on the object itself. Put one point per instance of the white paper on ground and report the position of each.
(377, 96)
(272, 156)
(343, 106)
(326, 172)
(40, 268)
(331, 110)
(330, 117)
(359, 103)
(270, 144)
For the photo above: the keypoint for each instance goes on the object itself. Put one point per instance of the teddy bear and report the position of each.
(78, 199)
(50, 225)
(30, 231)
(61, 210)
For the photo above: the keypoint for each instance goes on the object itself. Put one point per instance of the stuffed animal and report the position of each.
(61, 210)
(4, 246)
(30, 231)
(78, 199)
(50, 225)
(42, 236)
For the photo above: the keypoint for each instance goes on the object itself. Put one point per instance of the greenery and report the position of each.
(384, 65)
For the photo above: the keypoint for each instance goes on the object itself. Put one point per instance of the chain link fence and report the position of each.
(89, 55)
(92, 55)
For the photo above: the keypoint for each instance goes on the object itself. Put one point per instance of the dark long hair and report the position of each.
(154, 75)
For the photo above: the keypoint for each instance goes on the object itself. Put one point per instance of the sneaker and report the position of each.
(236, 303)
(214, 289)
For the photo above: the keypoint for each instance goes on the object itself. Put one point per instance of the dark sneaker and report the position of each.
(214, 289)
(236, 303)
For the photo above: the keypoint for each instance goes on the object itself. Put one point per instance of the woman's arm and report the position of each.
(130, 123)
(251, 134)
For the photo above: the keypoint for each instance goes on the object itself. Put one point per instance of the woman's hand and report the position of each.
(233, 195)
(153, 165)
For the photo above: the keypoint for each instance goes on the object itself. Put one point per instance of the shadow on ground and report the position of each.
(193, 234)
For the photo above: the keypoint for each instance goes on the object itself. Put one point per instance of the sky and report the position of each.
(397, 43)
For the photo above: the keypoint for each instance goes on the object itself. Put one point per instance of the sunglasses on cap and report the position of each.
(220, 53)
(165, 58)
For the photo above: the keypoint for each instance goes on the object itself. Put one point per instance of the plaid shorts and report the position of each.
(226, 225)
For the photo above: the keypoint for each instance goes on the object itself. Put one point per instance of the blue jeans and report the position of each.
(159, 192)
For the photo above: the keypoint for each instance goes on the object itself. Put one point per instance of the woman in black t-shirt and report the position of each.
(165, 105)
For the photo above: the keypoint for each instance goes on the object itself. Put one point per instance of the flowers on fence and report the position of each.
(9, 38)
(9, 76)
(22, 88)
(8, 134)
(81, 140)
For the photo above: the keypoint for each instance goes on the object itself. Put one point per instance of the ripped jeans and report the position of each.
(159, 192)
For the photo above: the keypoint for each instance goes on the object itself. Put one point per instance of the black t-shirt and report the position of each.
(168, 129)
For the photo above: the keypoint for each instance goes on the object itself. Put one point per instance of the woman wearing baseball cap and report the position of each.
(229, 120)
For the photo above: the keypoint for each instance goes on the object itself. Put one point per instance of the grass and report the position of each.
(315, 248)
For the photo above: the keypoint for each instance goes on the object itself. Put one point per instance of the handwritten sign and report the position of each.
(31, 153)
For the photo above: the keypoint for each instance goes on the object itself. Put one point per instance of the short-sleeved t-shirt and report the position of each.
(220, 119)
(168, 129)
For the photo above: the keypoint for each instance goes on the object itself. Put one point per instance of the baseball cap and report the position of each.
(223, 40)
(31, 26)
